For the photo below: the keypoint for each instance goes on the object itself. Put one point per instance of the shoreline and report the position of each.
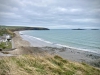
(24, 47)
(72, 54)
(38, 42)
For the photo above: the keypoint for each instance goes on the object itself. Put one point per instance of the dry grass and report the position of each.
(43, 65)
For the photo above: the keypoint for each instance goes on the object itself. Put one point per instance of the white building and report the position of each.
(4, 38)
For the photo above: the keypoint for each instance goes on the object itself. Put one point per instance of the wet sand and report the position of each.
(65, 52)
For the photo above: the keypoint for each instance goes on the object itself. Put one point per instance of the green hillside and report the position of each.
(18, 28)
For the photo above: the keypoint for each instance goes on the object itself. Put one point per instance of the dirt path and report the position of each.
(20, 45)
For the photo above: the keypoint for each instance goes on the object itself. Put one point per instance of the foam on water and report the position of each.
(40, 39)
(81, 40)
(51, 43)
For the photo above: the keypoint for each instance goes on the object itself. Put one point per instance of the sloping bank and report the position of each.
(43, 65)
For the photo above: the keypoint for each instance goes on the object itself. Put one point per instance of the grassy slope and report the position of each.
(5, 31)
(4, 46)
(43, 65)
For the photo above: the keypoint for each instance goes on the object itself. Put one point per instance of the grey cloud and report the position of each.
(50, 13)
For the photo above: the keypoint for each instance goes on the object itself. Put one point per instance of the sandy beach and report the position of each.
(24, 47)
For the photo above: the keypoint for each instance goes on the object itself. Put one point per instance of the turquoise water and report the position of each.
(82, 39)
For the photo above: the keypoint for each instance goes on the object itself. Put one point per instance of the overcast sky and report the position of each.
(51, 13)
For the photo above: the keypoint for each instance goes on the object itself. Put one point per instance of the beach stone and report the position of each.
(0, 49)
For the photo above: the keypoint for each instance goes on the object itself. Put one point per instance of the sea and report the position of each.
(87, 40)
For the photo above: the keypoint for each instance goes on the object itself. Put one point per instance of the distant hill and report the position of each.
(18, 28)
(78, 29)
(94, 29)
